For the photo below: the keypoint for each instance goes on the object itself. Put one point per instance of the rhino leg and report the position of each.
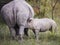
(12, 32)
(16, 27)
(26, 31)
(21, 33)
(37, 34)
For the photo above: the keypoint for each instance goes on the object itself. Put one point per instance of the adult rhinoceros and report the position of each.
(15, 14)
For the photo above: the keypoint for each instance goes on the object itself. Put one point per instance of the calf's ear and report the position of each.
(29, 20)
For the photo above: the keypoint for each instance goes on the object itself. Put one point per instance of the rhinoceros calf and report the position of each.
(15, 14)
(41, 25)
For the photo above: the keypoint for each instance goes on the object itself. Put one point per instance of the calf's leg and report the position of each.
(37, 34)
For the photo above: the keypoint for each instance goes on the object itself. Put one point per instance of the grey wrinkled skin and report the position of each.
(42, 25)
(15, 14)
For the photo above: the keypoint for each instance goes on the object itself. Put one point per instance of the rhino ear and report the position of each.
(30, 19)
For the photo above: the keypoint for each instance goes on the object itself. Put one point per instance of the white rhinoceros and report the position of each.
(15, 14)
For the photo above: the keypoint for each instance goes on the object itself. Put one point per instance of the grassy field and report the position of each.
(46, 38)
